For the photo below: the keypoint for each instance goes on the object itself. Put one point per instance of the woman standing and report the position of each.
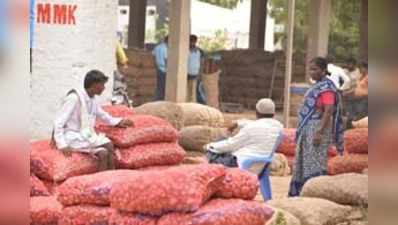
(320, 125)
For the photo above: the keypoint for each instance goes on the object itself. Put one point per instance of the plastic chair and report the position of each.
(265, 184)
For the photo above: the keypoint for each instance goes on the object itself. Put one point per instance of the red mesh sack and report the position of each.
(223, 212)
(118, 110)
(51, 186)
(91, 189)
(157, 154)
(37, 187)
(356, 141)
(238, 184)
(85, 215)
(182, 189)
(147, 129)
(51, 164)
(290, 161)
(350, 163)
(44, 210)
(288, 145)
(121, 218)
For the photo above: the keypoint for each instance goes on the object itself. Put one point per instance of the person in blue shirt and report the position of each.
(32, 4)
(194, 62)
(160, 54)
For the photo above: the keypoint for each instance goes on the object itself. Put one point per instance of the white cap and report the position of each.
(265, 106)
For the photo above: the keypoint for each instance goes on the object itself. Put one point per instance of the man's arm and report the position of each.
(107, 118)
(239, 124)
(62, 117)
(231, 144)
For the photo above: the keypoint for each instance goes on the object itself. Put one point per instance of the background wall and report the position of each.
(64, 53)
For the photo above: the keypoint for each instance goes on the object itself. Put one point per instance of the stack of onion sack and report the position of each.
(356, 158)
(188, 195)
(151, 142)
(37, 187)
(288, 147)
(86, 198)
(118, 110)
(51, 165)
(44, 210)
(185, 193)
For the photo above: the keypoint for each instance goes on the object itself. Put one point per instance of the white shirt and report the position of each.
(68, 121)
(255, 138)
(337, 74)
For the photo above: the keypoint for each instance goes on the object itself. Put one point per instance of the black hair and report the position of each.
(193, 37)
(94, 77)
(352, 61)
(266, 116)
(321, 62)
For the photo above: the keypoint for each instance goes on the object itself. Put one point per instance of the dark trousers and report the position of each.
(160, 86)
(356, 109)
(225, 159)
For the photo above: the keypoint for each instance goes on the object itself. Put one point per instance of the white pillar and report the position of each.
(177, 62)
(289, 61)
(319, 29)
(258, 21)
(79, 36)
(137, 22)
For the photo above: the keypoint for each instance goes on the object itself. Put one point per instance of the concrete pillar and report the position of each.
(364, 31)
(177, 62)
(136, 34)
(319, 29)
(258, 21)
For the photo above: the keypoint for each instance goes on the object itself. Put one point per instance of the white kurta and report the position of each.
(337, 74)
(76, 119)
(255, 138)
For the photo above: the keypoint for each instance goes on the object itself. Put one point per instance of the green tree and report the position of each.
(344, 30)
(214, 44)
(230, 4)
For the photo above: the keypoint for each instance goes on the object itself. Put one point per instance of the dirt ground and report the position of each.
(279, 187)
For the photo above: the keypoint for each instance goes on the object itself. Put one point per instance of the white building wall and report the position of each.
(63, 54)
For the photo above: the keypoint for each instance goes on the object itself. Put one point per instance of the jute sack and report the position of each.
(193, 138)
(166, 110)
(210, 83)
(280, 166)
(197, 114)
(346, 189)
(281, 217)
(363, 123)
(313, 211)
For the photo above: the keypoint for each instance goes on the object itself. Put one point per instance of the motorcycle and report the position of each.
(120, 94)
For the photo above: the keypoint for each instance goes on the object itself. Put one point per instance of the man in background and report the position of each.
(357, 98)
(160, 54)
(194, 62)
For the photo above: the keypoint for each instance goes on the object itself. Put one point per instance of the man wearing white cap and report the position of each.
(254, 138)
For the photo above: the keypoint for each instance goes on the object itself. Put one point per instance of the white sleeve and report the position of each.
(231, 144)
(347, 81)
(243, 122)
(62, 118)
(106, 118)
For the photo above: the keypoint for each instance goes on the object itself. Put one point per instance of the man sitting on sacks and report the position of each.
(255, 138)
(74, 123)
